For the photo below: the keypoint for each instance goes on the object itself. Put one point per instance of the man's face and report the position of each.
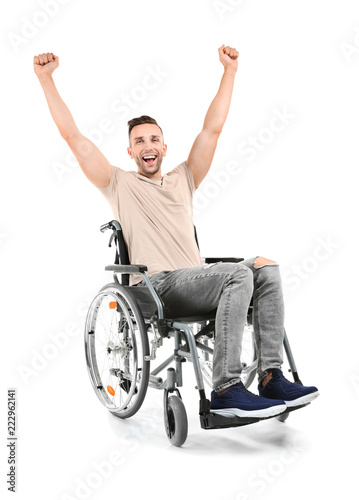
(147, 149)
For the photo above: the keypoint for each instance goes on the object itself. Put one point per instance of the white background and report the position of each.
(295, 202)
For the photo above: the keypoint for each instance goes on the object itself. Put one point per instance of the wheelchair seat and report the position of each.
(142, 295)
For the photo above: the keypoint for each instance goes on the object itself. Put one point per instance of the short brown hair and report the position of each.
(140, 121)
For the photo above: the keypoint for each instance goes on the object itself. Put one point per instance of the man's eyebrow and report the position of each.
(152, 136)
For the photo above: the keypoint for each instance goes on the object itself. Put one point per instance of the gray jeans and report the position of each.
(229, 287)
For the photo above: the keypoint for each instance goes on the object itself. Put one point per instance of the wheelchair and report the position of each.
(125, 325)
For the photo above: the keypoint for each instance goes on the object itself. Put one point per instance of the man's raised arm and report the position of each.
(93, 163)
(204, 147)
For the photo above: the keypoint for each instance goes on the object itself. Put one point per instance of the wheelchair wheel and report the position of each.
(116, 346)
(248, 358)
(176, 422)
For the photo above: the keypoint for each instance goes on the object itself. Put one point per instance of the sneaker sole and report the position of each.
(265, 412)
(303, 400)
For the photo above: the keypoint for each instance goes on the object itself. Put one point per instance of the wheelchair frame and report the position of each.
(186, 344)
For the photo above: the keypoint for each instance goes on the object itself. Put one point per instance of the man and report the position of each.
(155, 212)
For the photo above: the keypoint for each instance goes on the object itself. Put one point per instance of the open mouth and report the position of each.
(149, 159)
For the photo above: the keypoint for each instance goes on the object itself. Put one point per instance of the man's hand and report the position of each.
(228, 57)
(45, 63)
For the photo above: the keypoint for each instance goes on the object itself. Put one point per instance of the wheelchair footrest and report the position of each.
(215, 421)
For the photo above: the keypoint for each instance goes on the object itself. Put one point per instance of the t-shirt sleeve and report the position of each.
(109, 192)
(189, 176)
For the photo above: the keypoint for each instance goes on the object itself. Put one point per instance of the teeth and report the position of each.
(149, 157)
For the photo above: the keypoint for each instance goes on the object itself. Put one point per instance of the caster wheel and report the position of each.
(176, 423)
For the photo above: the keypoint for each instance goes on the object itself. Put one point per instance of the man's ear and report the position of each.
(129, 151)
(164, 149)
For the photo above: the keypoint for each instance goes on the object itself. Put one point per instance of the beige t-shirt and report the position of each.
(156, 216)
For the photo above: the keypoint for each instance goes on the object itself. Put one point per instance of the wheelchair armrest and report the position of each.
(210, 260)
(128, 269)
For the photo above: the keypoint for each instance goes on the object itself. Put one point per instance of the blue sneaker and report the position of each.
(293, 394)
(242, 403)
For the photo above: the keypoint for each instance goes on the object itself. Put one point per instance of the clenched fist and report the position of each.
(45, 63)
(228, 57)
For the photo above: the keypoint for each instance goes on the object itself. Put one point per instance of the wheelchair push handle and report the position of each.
(116, 232)
(117, 236)
(114, 225)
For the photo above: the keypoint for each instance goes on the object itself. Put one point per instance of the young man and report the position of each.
(155, 212)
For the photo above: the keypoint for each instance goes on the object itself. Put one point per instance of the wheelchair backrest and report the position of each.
(122, 256)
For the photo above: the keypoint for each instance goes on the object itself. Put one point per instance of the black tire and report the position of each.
(176, 422)
(116, 345)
